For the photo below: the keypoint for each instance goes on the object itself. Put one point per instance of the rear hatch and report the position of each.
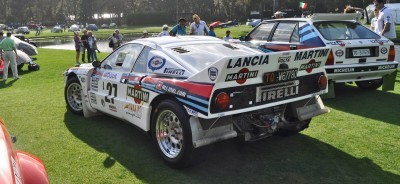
(251, 82)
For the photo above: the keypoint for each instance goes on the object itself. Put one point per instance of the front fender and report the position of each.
(32, 169)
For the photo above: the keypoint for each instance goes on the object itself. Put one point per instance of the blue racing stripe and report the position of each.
(205, 110)
(197, 99)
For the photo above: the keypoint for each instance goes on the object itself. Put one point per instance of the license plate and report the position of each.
(361, 52)
(280, 76)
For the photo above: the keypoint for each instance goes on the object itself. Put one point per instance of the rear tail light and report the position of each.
(331, 59)
(222, 101)
(392, 54)
(322, 82)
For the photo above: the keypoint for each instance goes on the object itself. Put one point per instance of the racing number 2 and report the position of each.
(110, 88)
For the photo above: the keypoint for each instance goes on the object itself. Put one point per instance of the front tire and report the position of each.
(370, 84)
(73, 96)
(171, 134)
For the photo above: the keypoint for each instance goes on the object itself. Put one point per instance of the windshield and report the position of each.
(341, 30)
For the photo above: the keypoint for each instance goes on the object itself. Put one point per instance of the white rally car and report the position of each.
(189, 92)
(358, 54)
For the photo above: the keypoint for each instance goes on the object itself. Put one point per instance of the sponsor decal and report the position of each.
(156, 63)
(269, 93)
(191, 111)
(93, 99)
(137, 94)
(103, 103)
(284, 59)
(110, 75)
(343, 70)
(174, 90)
(308, 67)
(339, 53)
(311, 54)
(112, 108)
(159, 85)
(248, 61)
(379, 41)
(83, 79)
(94, 85)
(384, 50)
(387, 67)
(241, 76)
(338, 42)
(134, 110)
(174, 71)
(280, 76)
(213, 73)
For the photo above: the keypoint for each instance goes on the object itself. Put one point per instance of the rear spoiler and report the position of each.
(336, 16)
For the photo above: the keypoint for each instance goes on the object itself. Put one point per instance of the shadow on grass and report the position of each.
(375, 104)
(295, 159)
(10, 80)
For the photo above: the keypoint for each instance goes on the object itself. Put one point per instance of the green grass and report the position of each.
(357, 142)
(236, 31)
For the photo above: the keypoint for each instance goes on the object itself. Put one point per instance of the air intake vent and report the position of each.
(180, 50)
(230, 46)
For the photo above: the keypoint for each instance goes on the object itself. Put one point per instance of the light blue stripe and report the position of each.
(205, 110)
(309, 36)
(306, 28)
(197, 99)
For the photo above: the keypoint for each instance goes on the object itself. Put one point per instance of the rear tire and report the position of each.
(171, 134)
(73, 96)
(370, 84)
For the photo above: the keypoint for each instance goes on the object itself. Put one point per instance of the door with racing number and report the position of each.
(108, 85)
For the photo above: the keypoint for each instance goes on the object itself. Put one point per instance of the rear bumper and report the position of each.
(360, 72)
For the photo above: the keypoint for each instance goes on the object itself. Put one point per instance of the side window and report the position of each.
(283, 31)
(262, 32)
(141, 63)
(123, 58)
(295, 35)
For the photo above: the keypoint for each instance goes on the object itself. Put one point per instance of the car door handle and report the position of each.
(293, 47)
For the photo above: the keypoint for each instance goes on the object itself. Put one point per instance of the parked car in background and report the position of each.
(358, 54)
(188, 92)
(229, 23)
(215, 24)
(56, 29)
(253, 22)
(104, 26)
(17, 166)
(113, 25)
(74, 27)
(3, 27)
(92, 27)
(22, 30)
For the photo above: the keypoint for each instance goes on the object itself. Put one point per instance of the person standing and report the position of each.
(119, 38)
(164, 31)
(385, 20)
(198, 27)
(78, 45)
(84, 40)
(9, 54)
(91, 42)
(179, 29)
(374, 22)
(211, 32)
(227, 36)
(113, 39)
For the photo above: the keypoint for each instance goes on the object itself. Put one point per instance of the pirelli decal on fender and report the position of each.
(311, 54)
(248, 61)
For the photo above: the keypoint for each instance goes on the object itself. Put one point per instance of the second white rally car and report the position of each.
(188, 92)
(358, 54)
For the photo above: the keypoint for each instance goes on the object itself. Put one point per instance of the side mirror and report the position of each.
(96, 64)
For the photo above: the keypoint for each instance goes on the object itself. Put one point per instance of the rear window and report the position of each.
(341, 30)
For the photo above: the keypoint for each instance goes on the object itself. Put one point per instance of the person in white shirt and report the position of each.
(374, 23)
(385, 20)
(164, 31)
(227, 36)
(198, 27)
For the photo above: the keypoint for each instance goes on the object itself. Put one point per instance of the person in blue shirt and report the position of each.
(179, 29)
(211, 32)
